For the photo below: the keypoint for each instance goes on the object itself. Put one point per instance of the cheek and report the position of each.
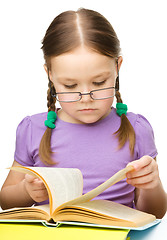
(107, 103)
(67, 106)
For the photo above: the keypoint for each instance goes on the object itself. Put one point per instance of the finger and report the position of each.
(142, 179)
(152, 167)
(38, 185)
(40, 193)
(34, 184)
(144, 171)
(40, 196)
(148, 185)
(29, 178)
(38, 199)
(140, 163)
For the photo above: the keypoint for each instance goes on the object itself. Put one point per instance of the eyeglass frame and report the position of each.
(81, 94)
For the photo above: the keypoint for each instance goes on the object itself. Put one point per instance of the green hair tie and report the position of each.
(121, 109)
(51, 118)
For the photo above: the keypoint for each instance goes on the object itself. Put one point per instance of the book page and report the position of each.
(101, 188)
(104, 212)
(63, 184)
(33, 213)
(115, 211)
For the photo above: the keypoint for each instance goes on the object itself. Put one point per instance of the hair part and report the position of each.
(72, 29)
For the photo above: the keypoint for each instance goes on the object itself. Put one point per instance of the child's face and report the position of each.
(83, 70)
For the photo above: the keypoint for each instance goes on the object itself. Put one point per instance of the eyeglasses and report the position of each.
(99, 94)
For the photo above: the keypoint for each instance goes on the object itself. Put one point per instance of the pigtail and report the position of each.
(45, 146)
(126, 131)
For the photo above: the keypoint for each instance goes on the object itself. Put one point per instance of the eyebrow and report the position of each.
(97, 76)
(102, 75)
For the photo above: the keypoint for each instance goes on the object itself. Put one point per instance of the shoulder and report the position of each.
(28, 136)
(36, 119)
(32, 124)
(145, 142)
(139, 122)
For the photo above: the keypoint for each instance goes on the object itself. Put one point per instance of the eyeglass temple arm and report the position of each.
(117, 79)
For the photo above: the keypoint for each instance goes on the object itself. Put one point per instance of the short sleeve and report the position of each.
(145, 143)
(23, 143)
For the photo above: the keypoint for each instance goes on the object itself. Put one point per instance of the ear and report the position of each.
(120, 60)
(48, 72)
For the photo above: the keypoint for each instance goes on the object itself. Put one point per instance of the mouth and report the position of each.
(87, 110)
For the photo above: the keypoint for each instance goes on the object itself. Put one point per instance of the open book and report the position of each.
(68, 205)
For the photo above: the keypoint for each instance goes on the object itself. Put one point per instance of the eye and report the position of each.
(70, 86)
(99, 83)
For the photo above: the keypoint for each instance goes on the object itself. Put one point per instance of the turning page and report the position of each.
(101, 188)
(63, 184)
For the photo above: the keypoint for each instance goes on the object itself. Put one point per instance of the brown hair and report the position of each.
(68, 31)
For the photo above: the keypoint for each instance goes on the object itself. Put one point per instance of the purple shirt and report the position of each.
(92, 148)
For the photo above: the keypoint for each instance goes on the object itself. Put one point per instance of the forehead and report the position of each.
(82, 61)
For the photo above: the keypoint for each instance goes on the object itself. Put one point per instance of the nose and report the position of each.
(86, 97)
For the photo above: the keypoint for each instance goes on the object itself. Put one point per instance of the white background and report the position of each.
(141, 27)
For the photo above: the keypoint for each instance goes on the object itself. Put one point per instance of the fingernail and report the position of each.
(128, 181)
(128, 175)
(135, 165)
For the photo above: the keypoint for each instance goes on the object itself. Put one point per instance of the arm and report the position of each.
(149, 195)
(20, 190)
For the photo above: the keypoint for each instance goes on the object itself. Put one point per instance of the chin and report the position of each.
(88, 120)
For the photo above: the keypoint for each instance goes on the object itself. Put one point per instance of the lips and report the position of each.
(87, 110)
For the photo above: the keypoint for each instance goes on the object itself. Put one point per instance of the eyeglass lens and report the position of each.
(95, 94)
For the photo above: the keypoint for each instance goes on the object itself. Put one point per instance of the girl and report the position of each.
(82, 61)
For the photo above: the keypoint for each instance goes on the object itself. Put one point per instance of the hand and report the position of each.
(35, 188)
(145, 174)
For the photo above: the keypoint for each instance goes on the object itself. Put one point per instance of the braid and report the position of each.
(50, 99)
(125, 132)
(118, 97)
(45, 147)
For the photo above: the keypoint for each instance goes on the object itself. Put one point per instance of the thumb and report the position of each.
(135, 164)
(141, 163)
